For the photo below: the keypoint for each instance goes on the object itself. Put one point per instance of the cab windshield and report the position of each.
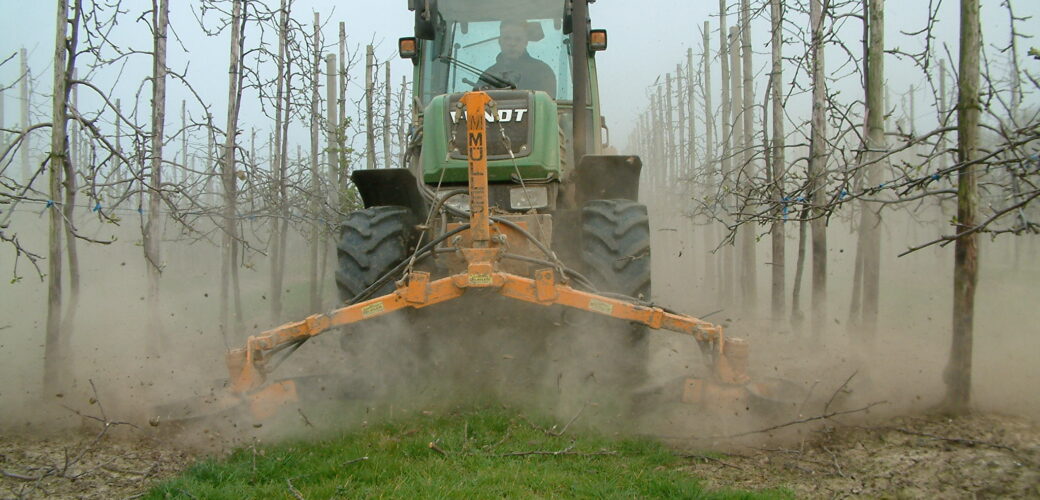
(469, 46)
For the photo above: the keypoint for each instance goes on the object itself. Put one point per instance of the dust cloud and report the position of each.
(486, 349)
(110, 345)
(903, 366)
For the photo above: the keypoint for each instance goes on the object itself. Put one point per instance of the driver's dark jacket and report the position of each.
(525, 71)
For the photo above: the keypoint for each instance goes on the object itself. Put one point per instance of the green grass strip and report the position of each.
(475, 454)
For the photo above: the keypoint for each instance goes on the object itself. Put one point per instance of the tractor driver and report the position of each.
(515, 65)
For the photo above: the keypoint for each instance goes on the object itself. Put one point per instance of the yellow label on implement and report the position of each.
(600, 306)
(480, 279)
(372, 309)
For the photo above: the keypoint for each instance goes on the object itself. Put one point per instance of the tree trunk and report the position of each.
(661, 141)
(120, 167)
(856, 301)
(965, 268)
(669, 127)
(816, 192)
(870, 222)
(54, 367)
(912, 119)
(403, 121)
(184, 143)
(229, 271)
(387, 163)
(710, 261)
(748, 268)
(3, 125)
(944, 116)
(211, 168)
(370, 88)
(283, 187)
(152, 256)
(68, 209)
(278, 169)
(726, 276)
(23, 92)
(331, 141)
(797, 316)
(681, 84)
(343, 167)
(315, 206)
(779, 285)
(739, 148)
(691, 111)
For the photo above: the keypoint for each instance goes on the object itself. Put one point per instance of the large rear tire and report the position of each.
(615, 249)
(615, 241)
(372, 242)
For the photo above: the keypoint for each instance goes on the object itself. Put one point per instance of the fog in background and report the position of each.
(647, 39)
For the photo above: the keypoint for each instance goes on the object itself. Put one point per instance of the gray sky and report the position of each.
(647, 39)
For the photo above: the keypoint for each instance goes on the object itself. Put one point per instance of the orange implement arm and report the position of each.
(249, 366)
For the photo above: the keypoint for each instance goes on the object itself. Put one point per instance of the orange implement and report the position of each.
(483, 255)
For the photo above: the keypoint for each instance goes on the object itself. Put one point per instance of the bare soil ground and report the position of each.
(979, 456)
(79, 464)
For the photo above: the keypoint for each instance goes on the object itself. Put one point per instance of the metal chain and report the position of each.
(537, 220)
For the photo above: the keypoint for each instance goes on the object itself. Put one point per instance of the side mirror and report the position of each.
(605, 136)
(408, 47)
(598, 40)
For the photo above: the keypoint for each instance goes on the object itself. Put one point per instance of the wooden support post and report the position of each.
(680, 104)
(54, 357)
(748, 257)
(153, 236)
(669, 129)
(370, 88)
(965, 269)
(279, 160)
(710, 261)
(403, 121)
(74, 127)
(739, 170)
(341, 127)
(778, 167)
(119, 166)
(331, 138)
(3, 124)
(726, 130)
(184, 142)
(817, 175)
(944, 115)
(23, 92)
(315, 200)
(387, 100)
(690, 110)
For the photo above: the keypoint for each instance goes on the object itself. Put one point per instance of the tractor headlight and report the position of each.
(526, 198)
(459, 202)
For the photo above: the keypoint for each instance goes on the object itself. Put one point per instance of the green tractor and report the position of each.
(517, 253)
(544, 158)
(547, 172)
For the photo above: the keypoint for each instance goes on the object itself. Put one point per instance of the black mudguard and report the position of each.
(608, 177)
(390, 187)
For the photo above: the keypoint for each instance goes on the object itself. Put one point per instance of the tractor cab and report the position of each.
(522, 55)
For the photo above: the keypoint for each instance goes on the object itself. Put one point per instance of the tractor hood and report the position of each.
(523, 135)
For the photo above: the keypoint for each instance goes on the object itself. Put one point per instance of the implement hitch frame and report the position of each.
(249, 366)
